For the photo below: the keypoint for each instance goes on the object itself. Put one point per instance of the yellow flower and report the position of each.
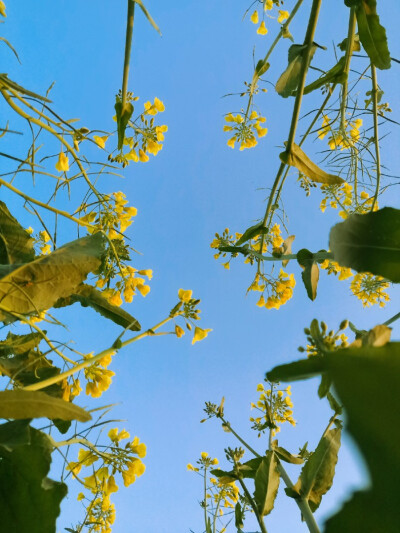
(204, 455)
(262, 30)
(185, 296)
(116, 437)
(46, 249)
(62, 164)
(111, 486)
(261, 301)
(2, 9)
(179, 332)
(231, 142)
(135, 468)
(115, 299)
(143, 289)
(100, 141)
(191, 467)
(214, 461)
(254, 17)
(132, 156)
(268, 5)
(86, 457)
(80, 497)
(148, 272)
(283, 15)
(159, 105)
(143, 157)
(200, 334)
(138, 447)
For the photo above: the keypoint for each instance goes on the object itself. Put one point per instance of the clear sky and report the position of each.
(193, 188)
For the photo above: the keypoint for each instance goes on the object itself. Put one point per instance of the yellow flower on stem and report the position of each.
(185, 296)
(268, 5)
(138, 447)
(100, 141)
(200, 334)
(2, 9)
(283, 15)
(62, 164)
(254, 17)
(179, 332)
(143, 157)
(231, 142)
(262, 30)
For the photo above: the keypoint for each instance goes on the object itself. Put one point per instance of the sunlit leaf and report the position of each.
(88, 296)
(36, 286)
(21, 404)
(372, 34)
(16, 244)
(297, 158)
(250, 233)
(310, 274)
(266, 484)
(317, 474)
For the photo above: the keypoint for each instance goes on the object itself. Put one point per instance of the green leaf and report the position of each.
(286, 456)
(29, 501)
(356, 44)
(262, 67)
(239, 516)
(310, 274)
(21, 404)
(297, 158)
(324, 386)
(303, 369)
(88, 296)
(372, 34)
(36, 286)
(15, 433)
(372, 420)
(266, 484)
(247, 470)
(334, 404)
(369, 243)
(289, 79)
(317, 474)
(16, 244)
(123, 116)
(250, 233)
(334, 75)
(19, 344)
(147, 15)
(10, 46)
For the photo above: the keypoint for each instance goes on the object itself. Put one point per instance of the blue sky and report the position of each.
(193, 188)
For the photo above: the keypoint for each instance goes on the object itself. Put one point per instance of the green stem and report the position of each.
(376, 133)
(205, 497)
(391, 320)
(128, 45)
(253, 506)
(346, 69)
(308, 41)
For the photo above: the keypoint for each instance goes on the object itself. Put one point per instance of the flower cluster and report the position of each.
(344, 197)
(115, 458)
(278, 289)
(113, 218)
(187, 308)
(267, 5)
(146, 138)
(370, 289)
(320, 340)
(98, 376)
(342, 139)
(245, 128)
(274, 407)
(220, 494)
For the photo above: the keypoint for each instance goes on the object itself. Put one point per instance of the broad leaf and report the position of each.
(250, 233)
(297, 158)
(310, 274)
(36, 286)
(19, 344)
(88, 296)
(317, 474)
(239, 516)
(266, 484)
(22, 404)
(286, 456)
(372, 420)
(29, 501)
(303, 369)
(372, 34)
(334, 75)
(289, 79)
(369, 243)
(247, 470)
(15, 433)
(16, 244)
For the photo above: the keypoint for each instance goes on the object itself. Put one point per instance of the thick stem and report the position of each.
(128, 45)
(346, 69)
(376, 134)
